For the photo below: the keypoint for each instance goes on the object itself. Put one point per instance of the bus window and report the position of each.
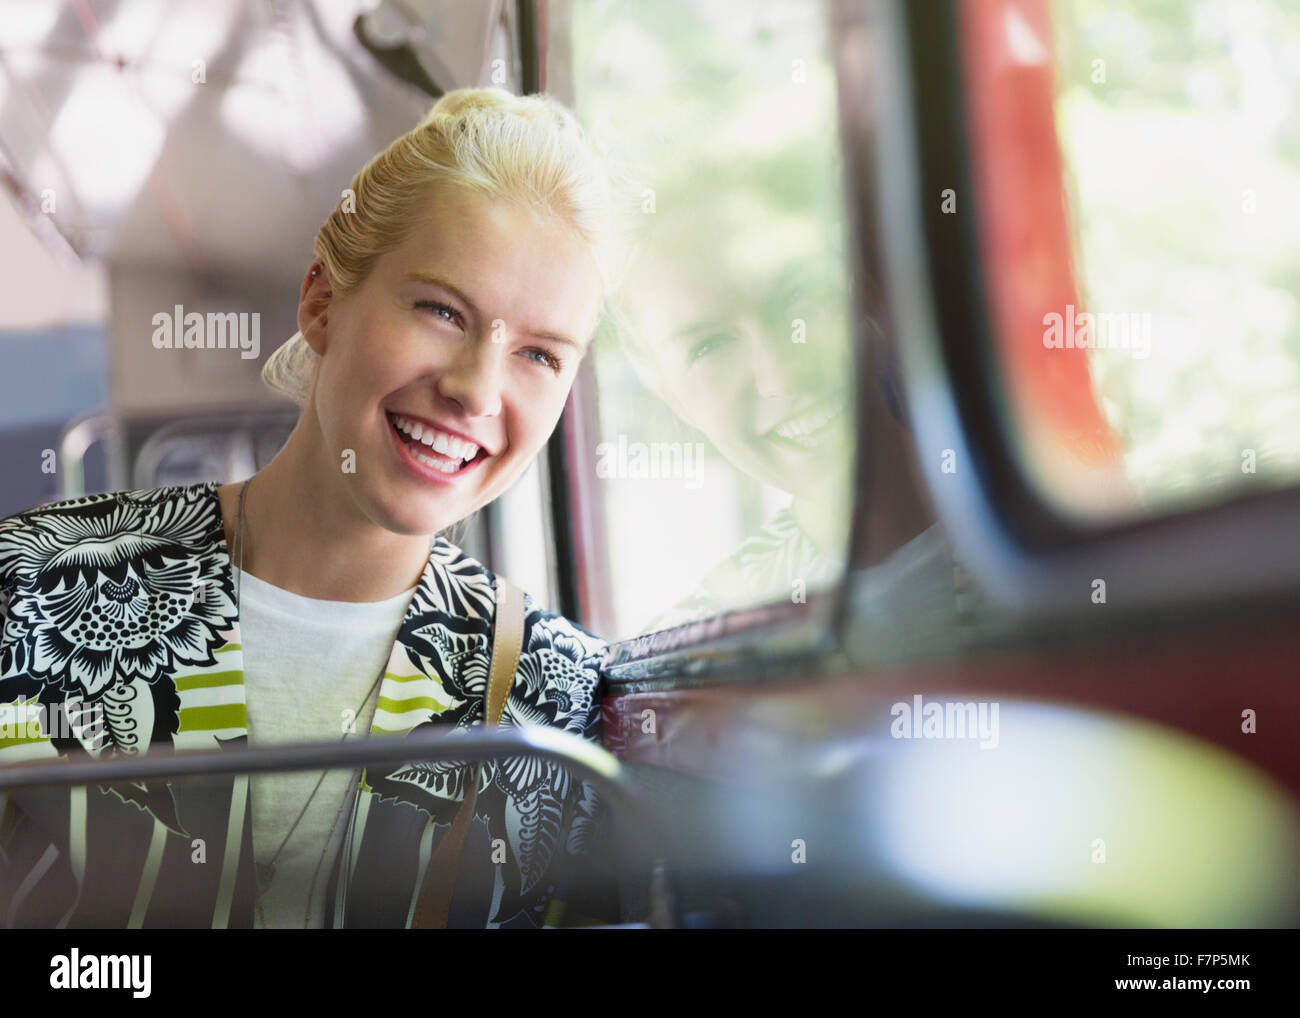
(721, 447)
(1141, 264)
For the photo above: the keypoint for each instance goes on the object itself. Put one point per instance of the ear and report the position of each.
(313, 303)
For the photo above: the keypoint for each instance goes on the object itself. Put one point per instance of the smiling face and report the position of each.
(447, 369)
(758, 364)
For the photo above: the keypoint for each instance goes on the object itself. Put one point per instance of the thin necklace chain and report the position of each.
(268, 869)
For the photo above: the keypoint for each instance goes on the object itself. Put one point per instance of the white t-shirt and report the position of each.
(308, 667)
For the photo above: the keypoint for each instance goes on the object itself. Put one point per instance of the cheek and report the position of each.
(533, 419)
(351, 384)
(714, 390)
(384, 369)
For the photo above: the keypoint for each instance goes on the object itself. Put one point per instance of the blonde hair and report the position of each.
(529, 150)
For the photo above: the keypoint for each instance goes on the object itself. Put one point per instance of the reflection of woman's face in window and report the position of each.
(760, 367)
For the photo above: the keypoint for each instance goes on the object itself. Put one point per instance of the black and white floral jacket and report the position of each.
(120, 609)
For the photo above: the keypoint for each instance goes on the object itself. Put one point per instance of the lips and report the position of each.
(811, 426)
(437, 454)
(443, 440)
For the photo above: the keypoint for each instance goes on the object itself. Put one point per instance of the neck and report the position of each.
(304, 533)
(823, 514)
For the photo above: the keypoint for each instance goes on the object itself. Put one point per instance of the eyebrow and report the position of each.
(696, 329)
(432, 280)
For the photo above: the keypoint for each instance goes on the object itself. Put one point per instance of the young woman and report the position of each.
(454, 292)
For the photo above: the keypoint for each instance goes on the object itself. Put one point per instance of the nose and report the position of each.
(473, 380)
(770, 370)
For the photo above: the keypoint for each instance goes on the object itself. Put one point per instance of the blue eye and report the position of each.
(546, 360)
(437, 307)
(707, 346)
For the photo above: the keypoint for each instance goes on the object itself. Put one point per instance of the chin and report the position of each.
(409, 520)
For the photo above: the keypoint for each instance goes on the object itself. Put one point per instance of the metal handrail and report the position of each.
(590, 762)
(593, 763)
(239, 424)
(78, 436)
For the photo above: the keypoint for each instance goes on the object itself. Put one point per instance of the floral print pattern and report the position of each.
(108, 589)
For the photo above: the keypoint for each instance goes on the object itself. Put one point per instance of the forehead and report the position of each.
(513, 261)
(671, 294)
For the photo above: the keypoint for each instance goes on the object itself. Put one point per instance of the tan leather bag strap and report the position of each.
(434, 900)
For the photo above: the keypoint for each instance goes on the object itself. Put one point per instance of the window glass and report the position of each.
(1163, 371)
(723, 381)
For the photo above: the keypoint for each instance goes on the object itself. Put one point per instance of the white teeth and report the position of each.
(450, 446)
(800, 428)
(446, 466)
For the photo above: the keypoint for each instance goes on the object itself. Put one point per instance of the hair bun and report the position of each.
(463, 103)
